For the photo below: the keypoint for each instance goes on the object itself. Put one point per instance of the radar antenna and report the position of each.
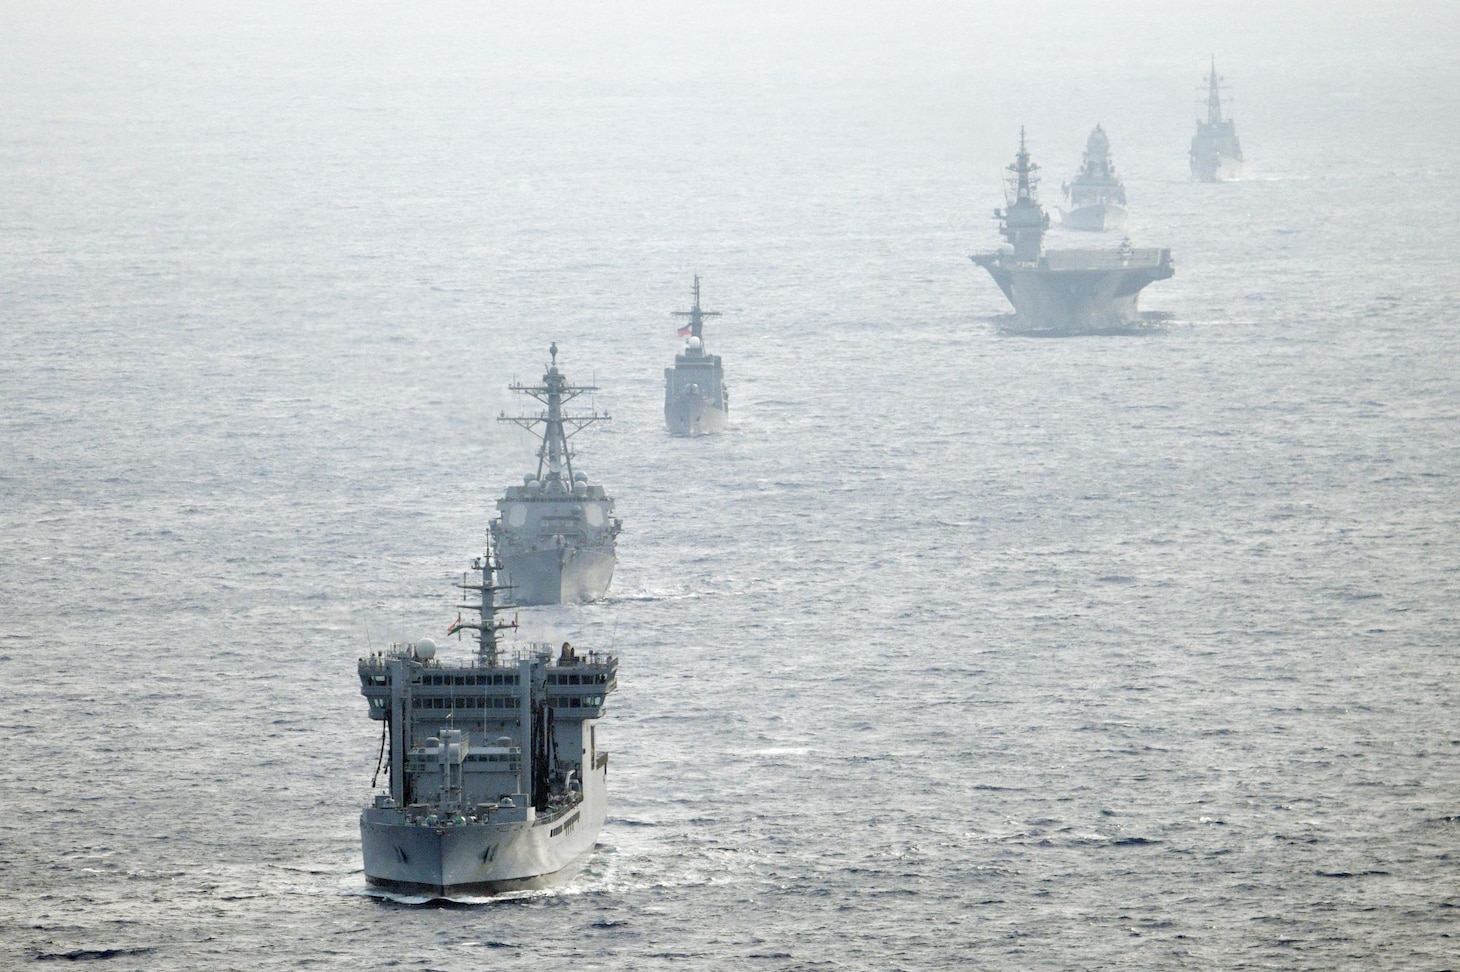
(695, 315)
(554, 458)
(485, 583)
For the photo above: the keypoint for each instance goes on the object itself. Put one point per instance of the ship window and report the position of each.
(575, 703)
(461, 680)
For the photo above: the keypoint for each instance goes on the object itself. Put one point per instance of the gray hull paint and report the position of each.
(1100, 216)
(1217, 170)
(475, 858)
(568, 575)
(690, 416)
(1067, 298)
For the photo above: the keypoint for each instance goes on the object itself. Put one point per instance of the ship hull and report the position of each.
(478, 858)
(694, 417)
(1059, 295)
(557, 575)
(1216, 170)
(1097, 217)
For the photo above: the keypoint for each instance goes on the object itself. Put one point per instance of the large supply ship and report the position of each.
(696, 401)
(1216, 155)
(556, 533)
(1057, 292)
(1095, 196)
(495, 778)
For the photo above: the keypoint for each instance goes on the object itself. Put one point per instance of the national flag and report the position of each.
(686, 329)
(456, 625)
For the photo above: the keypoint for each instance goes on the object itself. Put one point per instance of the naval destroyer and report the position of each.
(1057, 292)
(696, 401)
(1096, 196)
(556, 533)
(496, 781)
(1216, 155)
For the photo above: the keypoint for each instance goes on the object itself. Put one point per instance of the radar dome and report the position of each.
(695, 344)
(580, 477)
(425, 649)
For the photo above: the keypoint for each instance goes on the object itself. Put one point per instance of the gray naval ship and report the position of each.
(1216, 155)
(1096, 196)
(1058, 292)
(696, 401)
(556, 533)
(496, 779)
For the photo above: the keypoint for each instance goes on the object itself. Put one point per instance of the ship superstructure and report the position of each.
(495, 779)
(696, 401)
(556, 533)
(1096, 196)
(1056, 292)
(1216, 155)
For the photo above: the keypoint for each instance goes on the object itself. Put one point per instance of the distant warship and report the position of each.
(555, 533)
(1096, 196)
(1216, 155)
(496, 779)
(1064, 291)
(696, 401)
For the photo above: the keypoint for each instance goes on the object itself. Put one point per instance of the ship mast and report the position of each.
(1214, 99)
(485, 567)
(554, 458)
(695, 315)
(1023, 221)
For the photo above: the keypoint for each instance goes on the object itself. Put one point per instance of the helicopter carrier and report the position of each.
(1064, 292)
(696, 401)
(1216, 155)
(556, 533)
(1096, 196)
(496, 781)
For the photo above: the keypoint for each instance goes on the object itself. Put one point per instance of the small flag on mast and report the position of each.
(455, 625)
(686, 329)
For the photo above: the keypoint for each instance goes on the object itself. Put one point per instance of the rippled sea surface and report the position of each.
(959, 650)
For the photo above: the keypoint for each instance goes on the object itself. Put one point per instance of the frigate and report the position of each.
(1096, 196)
(556, 533)
(496, 781)
(1056, 292)
(1216, 155)
(696, 401)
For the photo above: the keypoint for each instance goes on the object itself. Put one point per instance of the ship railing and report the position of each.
(506, 659)
(557, 810)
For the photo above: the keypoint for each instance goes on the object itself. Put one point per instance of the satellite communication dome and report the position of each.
(425, 649)
(695, 344)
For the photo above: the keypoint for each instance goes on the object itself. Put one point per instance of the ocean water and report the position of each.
(958, 650)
